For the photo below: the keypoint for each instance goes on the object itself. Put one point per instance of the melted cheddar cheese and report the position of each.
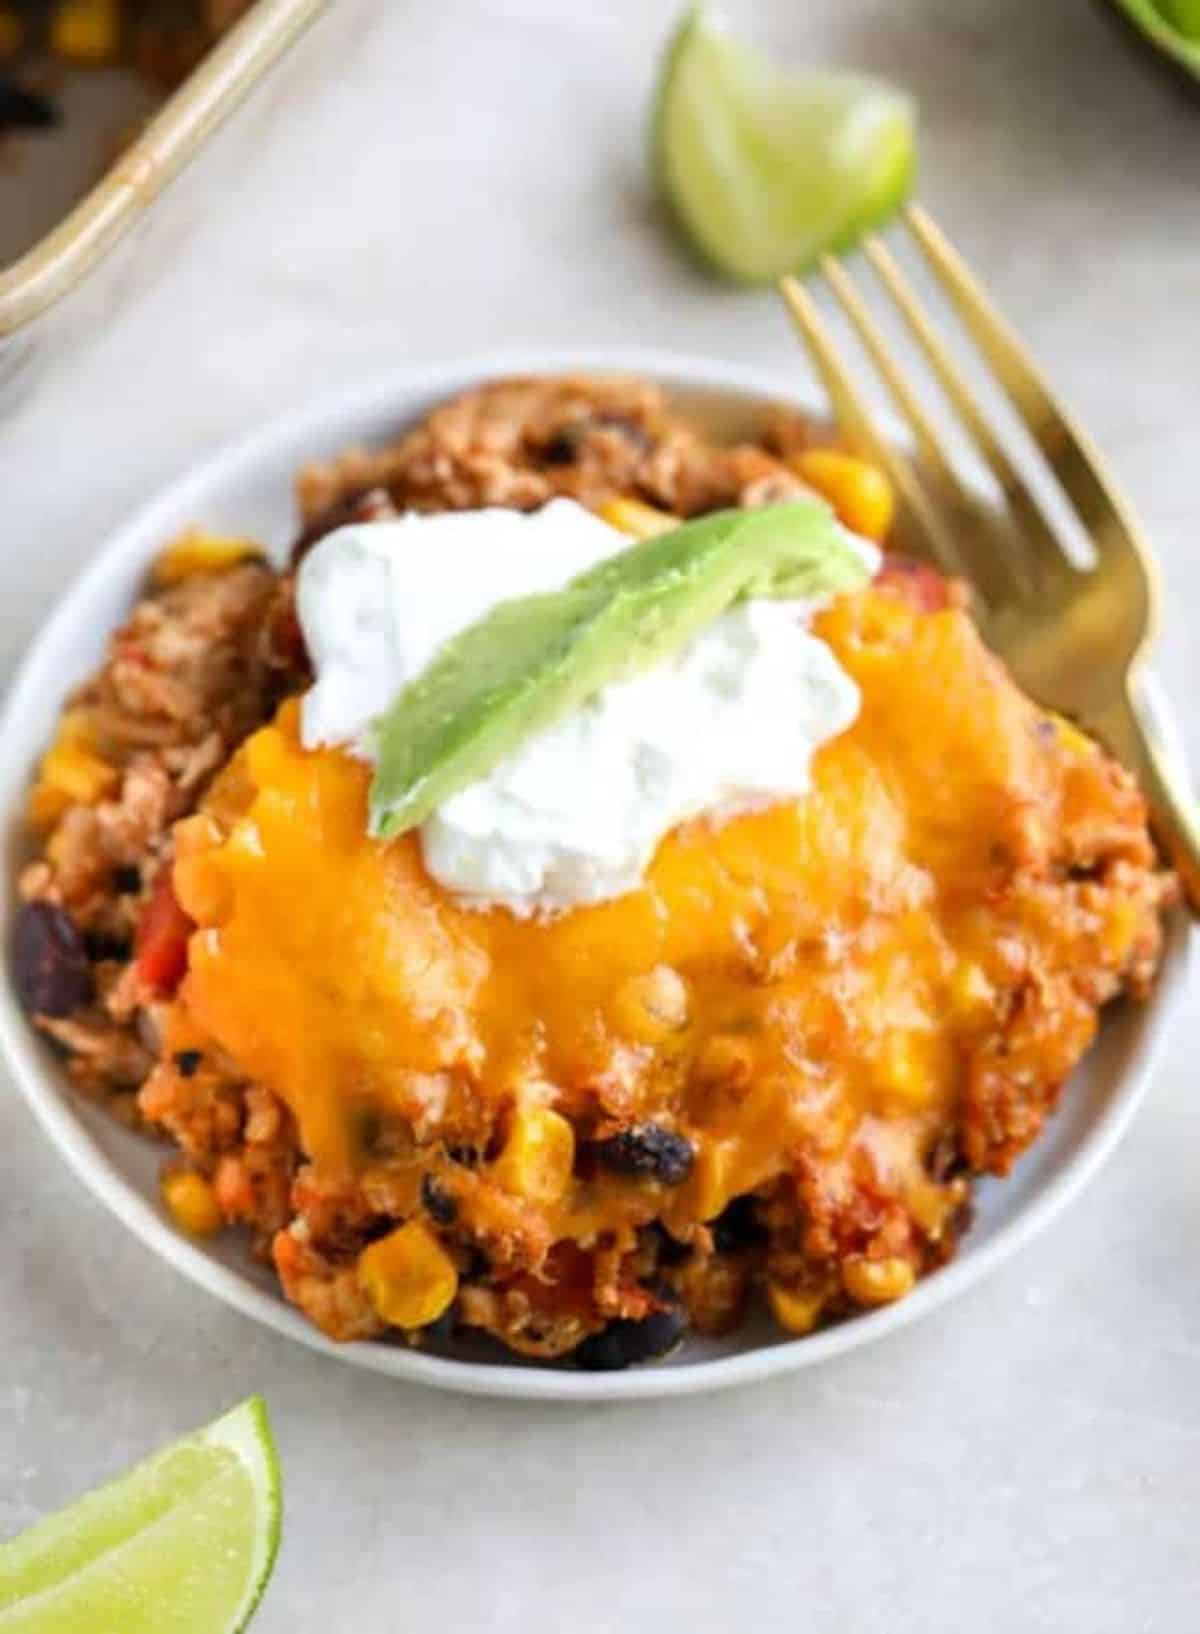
(802, 987)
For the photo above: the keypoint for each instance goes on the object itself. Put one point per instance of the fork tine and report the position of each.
(855, 421)
(1069, 452)
(893, 375)
(990, 571)
(1043, 553)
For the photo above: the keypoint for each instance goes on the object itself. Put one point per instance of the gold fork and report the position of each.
(1075, 637)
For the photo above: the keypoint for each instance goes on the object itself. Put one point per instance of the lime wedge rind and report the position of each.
(182, 1544)
(766, 170)
(1150, 21)
(246, 1431)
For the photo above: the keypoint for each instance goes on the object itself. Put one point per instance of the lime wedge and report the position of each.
(1173, 26)
(765, 169)
(1184, 15)
(183, 1544)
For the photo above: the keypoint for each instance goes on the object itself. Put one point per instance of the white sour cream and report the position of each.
(576, 813)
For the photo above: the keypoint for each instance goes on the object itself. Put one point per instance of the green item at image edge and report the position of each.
(1172, 26)
(184, 1543)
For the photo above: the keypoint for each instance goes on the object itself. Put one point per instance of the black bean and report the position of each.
(737, 1227)
(127, 878)
(945, 1160)
(187, 1062)
(439, 1205)
(669, 1250)
(368, 1127)
(624, 1343)
(50, 963)
(376, 1230)
(560, 450)
(442, 1327)
(478, 1265)
(648, 1149)
(1085, 872)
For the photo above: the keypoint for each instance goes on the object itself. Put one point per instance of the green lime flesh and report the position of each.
(765, 169)
(1173, 26)
(182, 1544)
(1183, 15)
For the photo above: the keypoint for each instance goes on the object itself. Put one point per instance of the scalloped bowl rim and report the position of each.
(49, 670)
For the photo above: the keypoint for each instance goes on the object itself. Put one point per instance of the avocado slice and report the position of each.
(530, 661)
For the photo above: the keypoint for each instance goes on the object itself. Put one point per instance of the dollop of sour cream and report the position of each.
(575, 814)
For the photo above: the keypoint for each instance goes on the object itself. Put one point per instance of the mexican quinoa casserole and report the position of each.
(770, 1073)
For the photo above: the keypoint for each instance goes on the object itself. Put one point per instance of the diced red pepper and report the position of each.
(161, 943)
(922, 586)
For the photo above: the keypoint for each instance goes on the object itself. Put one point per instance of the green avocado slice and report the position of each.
(530, 661)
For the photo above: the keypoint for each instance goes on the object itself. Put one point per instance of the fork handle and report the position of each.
(1131, 731)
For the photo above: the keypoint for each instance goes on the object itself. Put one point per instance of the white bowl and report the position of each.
(246, 488)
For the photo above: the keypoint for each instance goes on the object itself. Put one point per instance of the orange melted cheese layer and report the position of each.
(798, 981)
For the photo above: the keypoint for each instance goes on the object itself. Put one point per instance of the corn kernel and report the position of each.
(712, 1182)
(80, 773)
(648, 1008)
(76, 728)
(859, 492)
(1120, 930)
(932, 1205)
(71, 773)
(196, 552)
(191, 1202)
(408, 1276)
(877, 1282)
(1071, 738)
(970, 990)
(903, 1078)
(538, 1155)
(46, 807)
(86, 31)
(59, 849)
(796, 1309)
(639, 521)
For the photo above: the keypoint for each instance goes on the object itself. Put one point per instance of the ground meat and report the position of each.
(191, 665)
(104, 1056)
(190, 673)
(520, 442)
(347, 508)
